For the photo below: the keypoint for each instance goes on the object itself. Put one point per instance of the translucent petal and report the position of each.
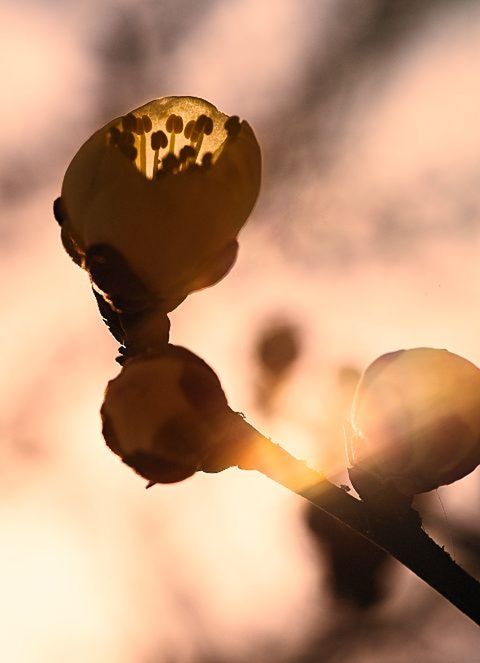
(171, 230)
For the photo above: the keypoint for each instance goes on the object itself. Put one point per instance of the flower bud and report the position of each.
(416, 419)
(152, 204)
(164, 414)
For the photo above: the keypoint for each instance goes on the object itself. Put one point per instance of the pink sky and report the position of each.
(92, 566)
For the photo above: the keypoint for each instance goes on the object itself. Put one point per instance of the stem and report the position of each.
(402, 536)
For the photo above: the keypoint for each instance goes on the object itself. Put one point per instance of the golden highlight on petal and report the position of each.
(131, 130)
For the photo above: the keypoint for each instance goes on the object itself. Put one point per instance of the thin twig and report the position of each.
(402, 537)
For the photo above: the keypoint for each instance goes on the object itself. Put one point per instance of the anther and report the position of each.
(200, 122)
(204, 124)
(208, 126)
(174, 124)
(129, 122)
(178, 124)
(158, 140)
(188, 129)
(147, 123)
(232, 126)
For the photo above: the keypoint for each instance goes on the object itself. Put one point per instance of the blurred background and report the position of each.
(365, 239)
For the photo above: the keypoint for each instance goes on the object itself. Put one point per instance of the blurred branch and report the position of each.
(402, 536)
(353, 632)
(367, 34)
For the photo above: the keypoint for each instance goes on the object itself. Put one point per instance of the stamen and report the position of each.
(169, 123)
(158, 140)
(203, 126)
(232, 126)
(174, 125)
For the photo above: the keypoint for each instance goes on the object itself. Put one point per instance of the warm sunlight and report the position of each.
(362, 240)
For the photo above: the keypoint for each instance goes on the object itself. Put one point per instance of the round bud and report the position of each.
(164, 413)
(416, 419)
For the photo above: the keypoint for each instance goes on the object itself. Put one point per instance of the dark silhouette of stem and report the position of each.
(402, 536)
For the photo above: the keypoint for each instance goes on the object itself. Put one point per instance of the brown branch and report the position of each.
(402, 536)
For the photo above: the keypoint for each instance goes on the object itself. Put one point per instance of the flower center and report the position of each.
(175, 148)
